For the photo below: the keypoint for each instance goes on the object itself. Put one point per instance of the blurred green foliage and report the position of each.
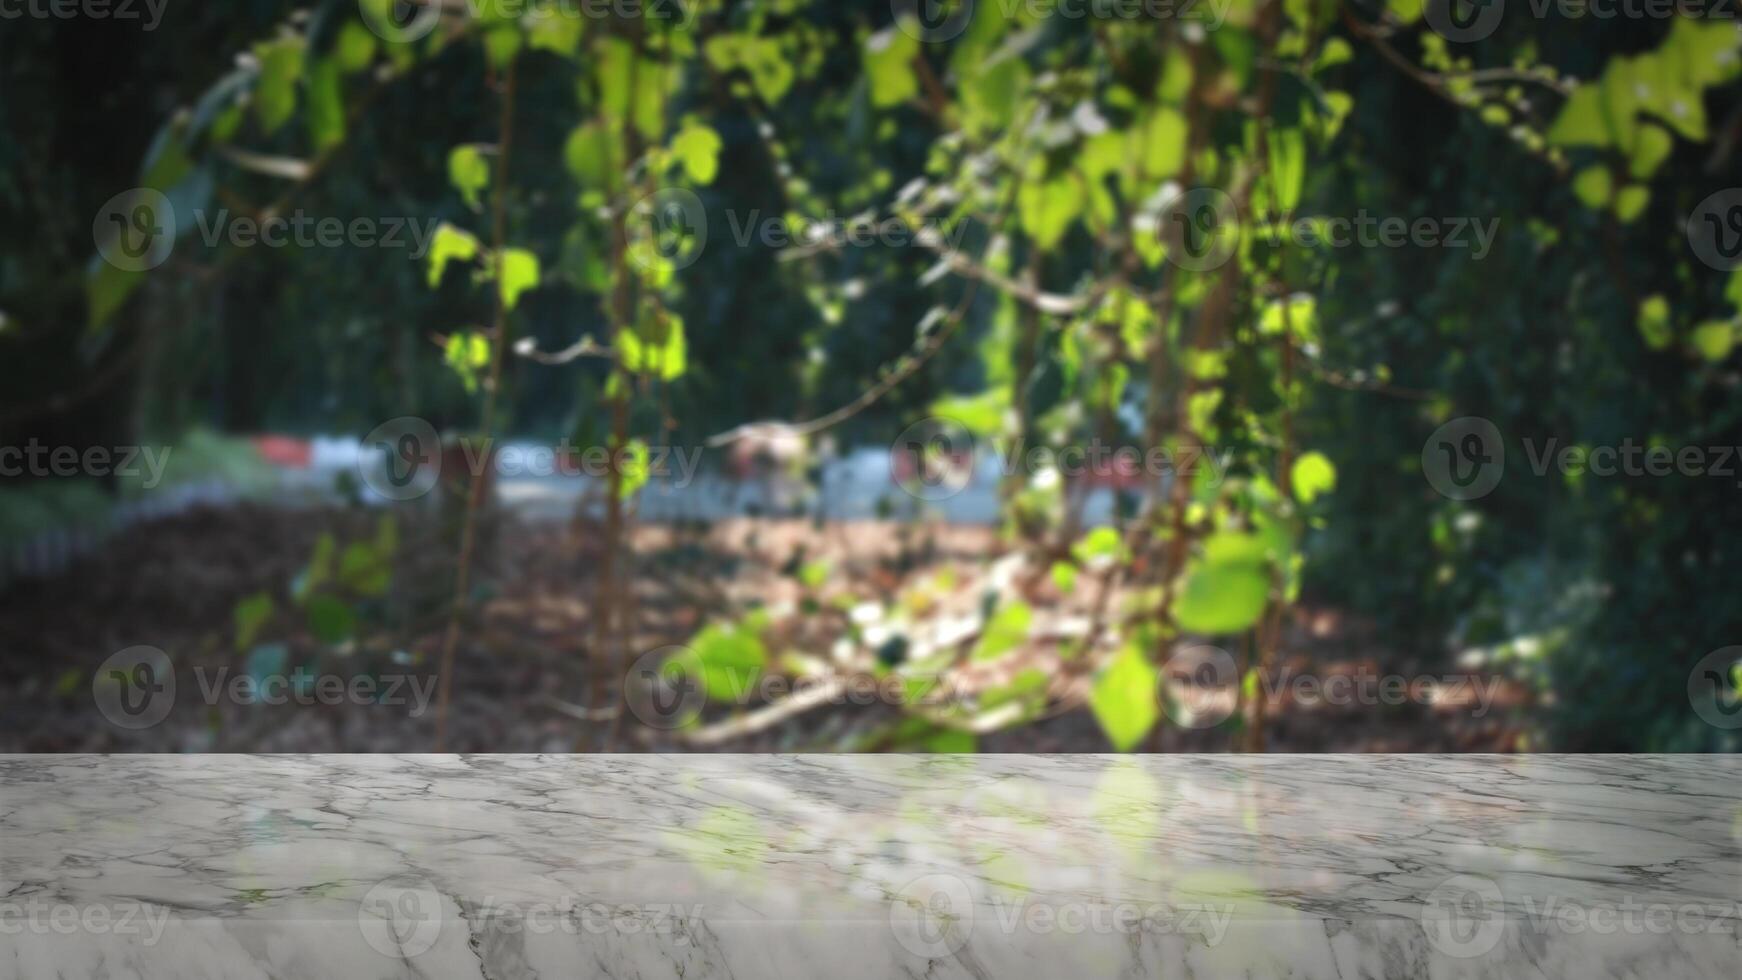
(1589, 321)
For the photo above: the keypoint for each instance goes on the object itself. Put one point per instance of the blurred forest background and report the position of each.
(1069, 310)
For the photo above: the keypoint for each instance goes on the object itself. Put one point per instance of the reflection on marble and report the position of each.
(870, 866)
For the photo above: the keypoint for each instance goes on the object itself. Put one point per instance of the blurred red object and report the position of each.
(1119, 473)
(284, 451)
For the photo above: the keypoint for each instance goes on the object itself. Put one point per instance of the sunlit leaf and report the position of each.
(889, 58)
(519, 273)
(469, 172)
(1124, 698)
(450, 244)
(281, 67)
(1312, 476)
(697, 147)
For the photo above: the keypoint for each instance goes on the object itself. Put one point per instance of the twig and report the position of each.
(474, 491)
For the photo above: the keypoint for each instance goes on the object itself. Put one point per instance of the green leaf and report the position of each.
(1703, 51)
(1006, 631)
(1619, 99)
(666, 360)
(469, 172)
(590, 156)
(729, 659)
(331, 620)
(1651, 149)
(1160, 143)
(1064, 576)
(281, 67)
(550, 29)
(1226, 590)
(519, 273)
(697, 147)
(467, 352)
(771, 72)
(1048, 209)
(326, 106)
(1654, 322)
(1222, 599)
(1298, 313)
(635, 469)
(450, 244)
(1406, 11)
(250, 615)
(981, 415)
(1312, 476)
(1631, 202)
(1287, 167)
(889, 58)
(1123, 698)
(812, 575)
(501, 44)
(949, 742)
(1593, 186)
(355, 48)
(365, 571)
(315, 574)
(106, 291)
(1101, 543)
(1714, 340)
(1580, 122)
(1029, 686)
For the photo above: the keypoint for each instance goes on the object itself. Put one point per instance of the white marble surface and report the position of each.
(870, 866)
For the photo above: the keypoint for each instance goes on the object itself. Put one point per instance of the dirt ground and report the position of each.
(521, 679)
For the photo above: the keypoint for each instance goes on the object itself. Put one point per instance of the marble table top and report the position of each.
(870, 866)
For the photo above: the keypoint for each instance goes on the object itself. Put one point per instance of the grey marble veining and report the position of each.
(870, 866)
